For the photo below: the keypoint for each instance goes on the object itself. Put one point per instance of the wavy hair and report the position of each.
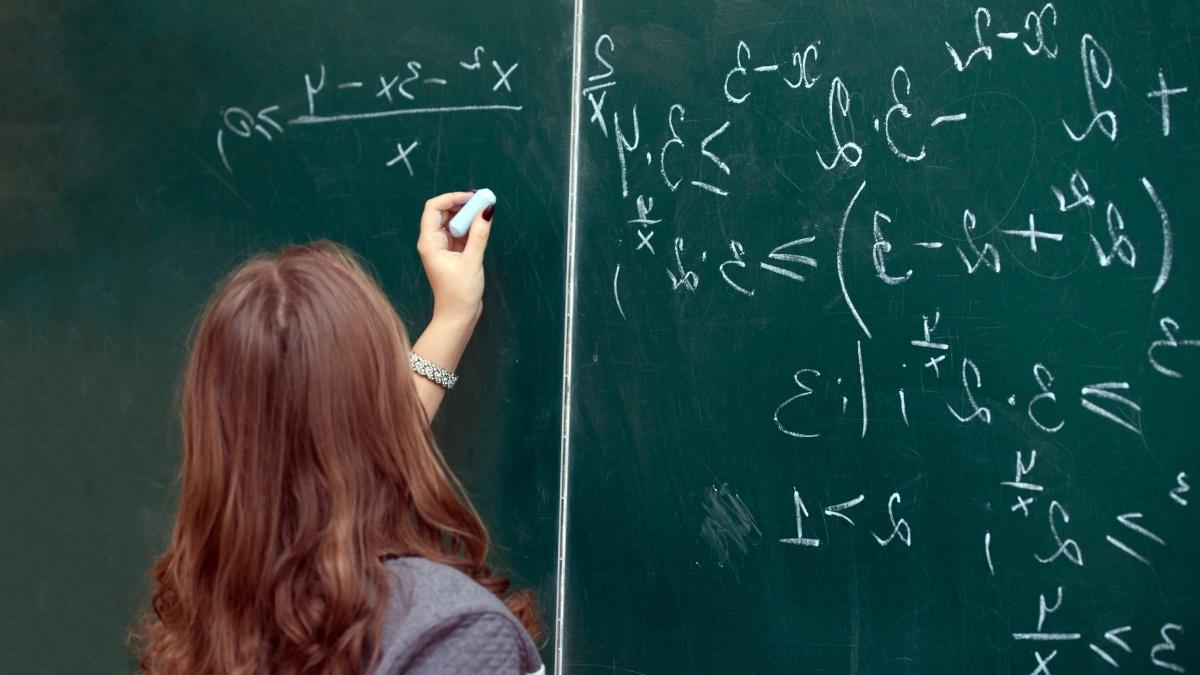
(307, 458)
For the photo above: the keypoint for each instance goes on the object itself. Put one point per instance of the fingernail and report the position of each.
(487, 213)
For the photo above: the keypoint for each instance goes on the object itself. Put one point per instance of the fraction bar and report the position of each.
(325, 119)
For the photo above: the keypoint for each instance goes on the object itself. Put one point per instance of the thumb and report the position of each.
(477, 236)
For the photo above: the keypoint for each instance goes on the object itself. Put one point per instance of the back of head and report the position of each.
(307, 457)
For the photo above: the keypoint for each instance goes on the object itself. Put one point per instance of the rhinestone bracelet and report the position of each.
(431, 371)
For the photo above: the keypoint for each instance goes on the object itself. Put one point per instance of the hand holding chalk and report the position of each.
(461, 222)
(454, 264)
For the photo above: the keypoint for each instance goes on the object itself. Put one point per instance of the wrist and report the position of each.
(459, 318)
(445, 338)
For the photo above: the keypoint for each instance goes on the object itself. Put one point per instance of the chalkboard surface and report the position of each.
(881, 338)
(149, 147)
(853, 389)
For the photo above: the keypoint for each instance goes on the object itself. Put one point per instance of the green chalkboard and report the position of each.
(881, 339)
(766, 472)
(145, 149)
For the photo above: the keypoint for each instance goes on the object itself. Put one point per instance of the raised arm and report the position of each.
(454, 266)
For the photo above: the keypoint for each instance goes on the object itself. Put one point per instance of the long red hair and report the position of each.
(307, 457)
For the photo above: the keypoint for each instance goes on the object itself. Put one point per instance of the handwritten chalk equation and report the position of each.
(1112, 646)
(652, 171)
(897, 529)
(1077, 224)
(485, 83)
(1115, 245)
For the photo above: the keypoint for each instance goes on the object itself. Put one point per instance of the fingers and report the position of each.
(434, 217)
(477, 237)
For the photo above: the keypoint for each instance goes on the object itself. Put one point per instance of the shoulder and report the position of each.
(429, 585)
(440, 620)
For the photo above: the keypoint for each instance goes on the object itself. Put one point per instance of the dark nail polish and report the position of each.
(487, 213)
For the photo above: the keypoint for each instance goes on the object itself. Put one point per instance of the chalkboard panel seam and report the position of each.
(568, 338)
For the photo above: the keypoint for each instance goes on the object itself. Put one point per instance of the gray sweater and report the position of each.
(440, 622)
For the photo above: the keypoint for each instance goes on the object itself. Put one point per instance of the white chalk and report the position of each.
(461, 222)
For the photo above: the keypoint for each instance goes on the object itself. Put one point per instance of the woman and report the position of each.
(319, 529)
